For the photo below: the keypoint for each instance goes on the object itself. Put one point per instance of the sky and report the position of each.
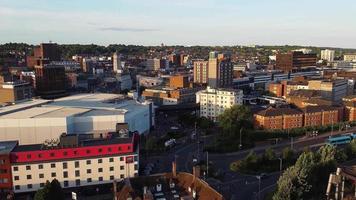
(326, 23)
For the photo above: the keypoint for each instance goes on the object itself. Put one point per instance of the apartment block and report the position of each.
(213, 102)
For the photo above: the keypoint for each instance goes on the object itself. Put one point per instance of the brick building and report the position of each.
(279, 118)
(201, 72)
(294, 61)
(179, 81)
(321, 115)
(50, 80)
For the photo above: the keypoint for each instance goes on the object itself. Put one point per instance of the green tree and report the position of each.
(288, 154)
(234, 118)
(270, 154)
(51, 191)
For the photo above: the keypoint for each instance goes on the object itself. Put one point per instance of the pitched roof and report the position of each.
(313, 109)
(269, 112)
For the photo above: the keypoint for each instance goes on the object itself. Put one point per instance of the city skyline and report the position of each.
(184, 22)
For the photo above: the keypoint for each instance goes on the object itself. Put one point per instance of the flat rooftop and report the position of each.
(83, 143)
(7, 147)
(96, 104)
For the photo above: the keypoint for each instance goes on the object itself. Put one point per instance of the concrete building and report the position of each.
(14, 92)
(169, 96)
(117, 68)
(201, 72)
(220, 71)
(213, 102)
(349, 57)
(153, 64)
(327, 55)
(36, 121)
(125, 81)
(75, 162)
(43, 54)
(334, 90)
(149, 82)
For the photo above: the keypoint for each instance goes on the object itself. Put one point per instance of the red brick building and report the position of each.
(279, 118)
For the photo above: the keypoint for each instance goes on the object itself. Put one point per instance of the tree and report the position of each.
(270, 154)
(51, 191)
(288, 154)
(234, 118)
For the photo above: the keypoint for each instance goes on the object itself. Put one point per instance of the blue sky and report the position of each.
(180, 22)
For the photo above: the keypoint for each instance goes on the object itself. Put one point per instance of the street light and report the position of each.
(259, 187)
(240, 146)
(280, 164)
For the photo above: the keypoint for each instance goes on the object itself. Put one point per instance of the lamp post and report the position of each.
(240, 146)
(280, 165)
(259, 187)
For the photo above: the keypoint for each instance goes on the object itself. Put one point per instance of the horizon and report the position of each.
(180, 23)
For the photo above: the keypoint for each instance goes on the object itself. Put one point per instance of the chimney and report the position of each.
(174, 169)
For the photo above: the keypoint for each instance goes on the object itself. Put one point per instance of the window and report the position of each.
(122, 167)
(16, 178)
(136, 167)
(28, 156)
(89, 180)
(53, 165)
(77, 173)
(29, 176)
(53, 174)
(122, 176)
(65, 153)
(29, 186)
(100, 169)
(109, 149)
(40, 166)
(121, 158)
(65, 183)
(119, 149)
(100, 160)
(111, 177)
(111, 168)
(17, 187)
(77, 182)
(76, 164)
(52, 154)
(88, 151)
(100, 178)
(28, 167)
(111, 159)
(41, 175)
(88, 171)
(65, 174)
(129, 148)
(16, 169)
(75, 152)
(39, 155)
(88, 162)
(65, 165)
(100, 150)
(42, 185)
(135, 158)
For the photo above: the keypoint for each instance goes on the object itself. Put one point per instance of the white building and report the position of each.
(213, 102)
(117, 68)
(350, 57)
(327, 55)
(39, 120)
(88, 162)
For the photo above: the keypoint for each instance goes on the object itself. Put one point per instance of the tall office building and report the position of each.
(44, 54)
(294, 61)
(50, 80)
(117, 68)
(201, 68)
(327, 55)
(220, 71)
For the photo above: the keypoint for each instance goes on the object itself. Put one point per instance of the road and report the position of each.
(233, 185)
